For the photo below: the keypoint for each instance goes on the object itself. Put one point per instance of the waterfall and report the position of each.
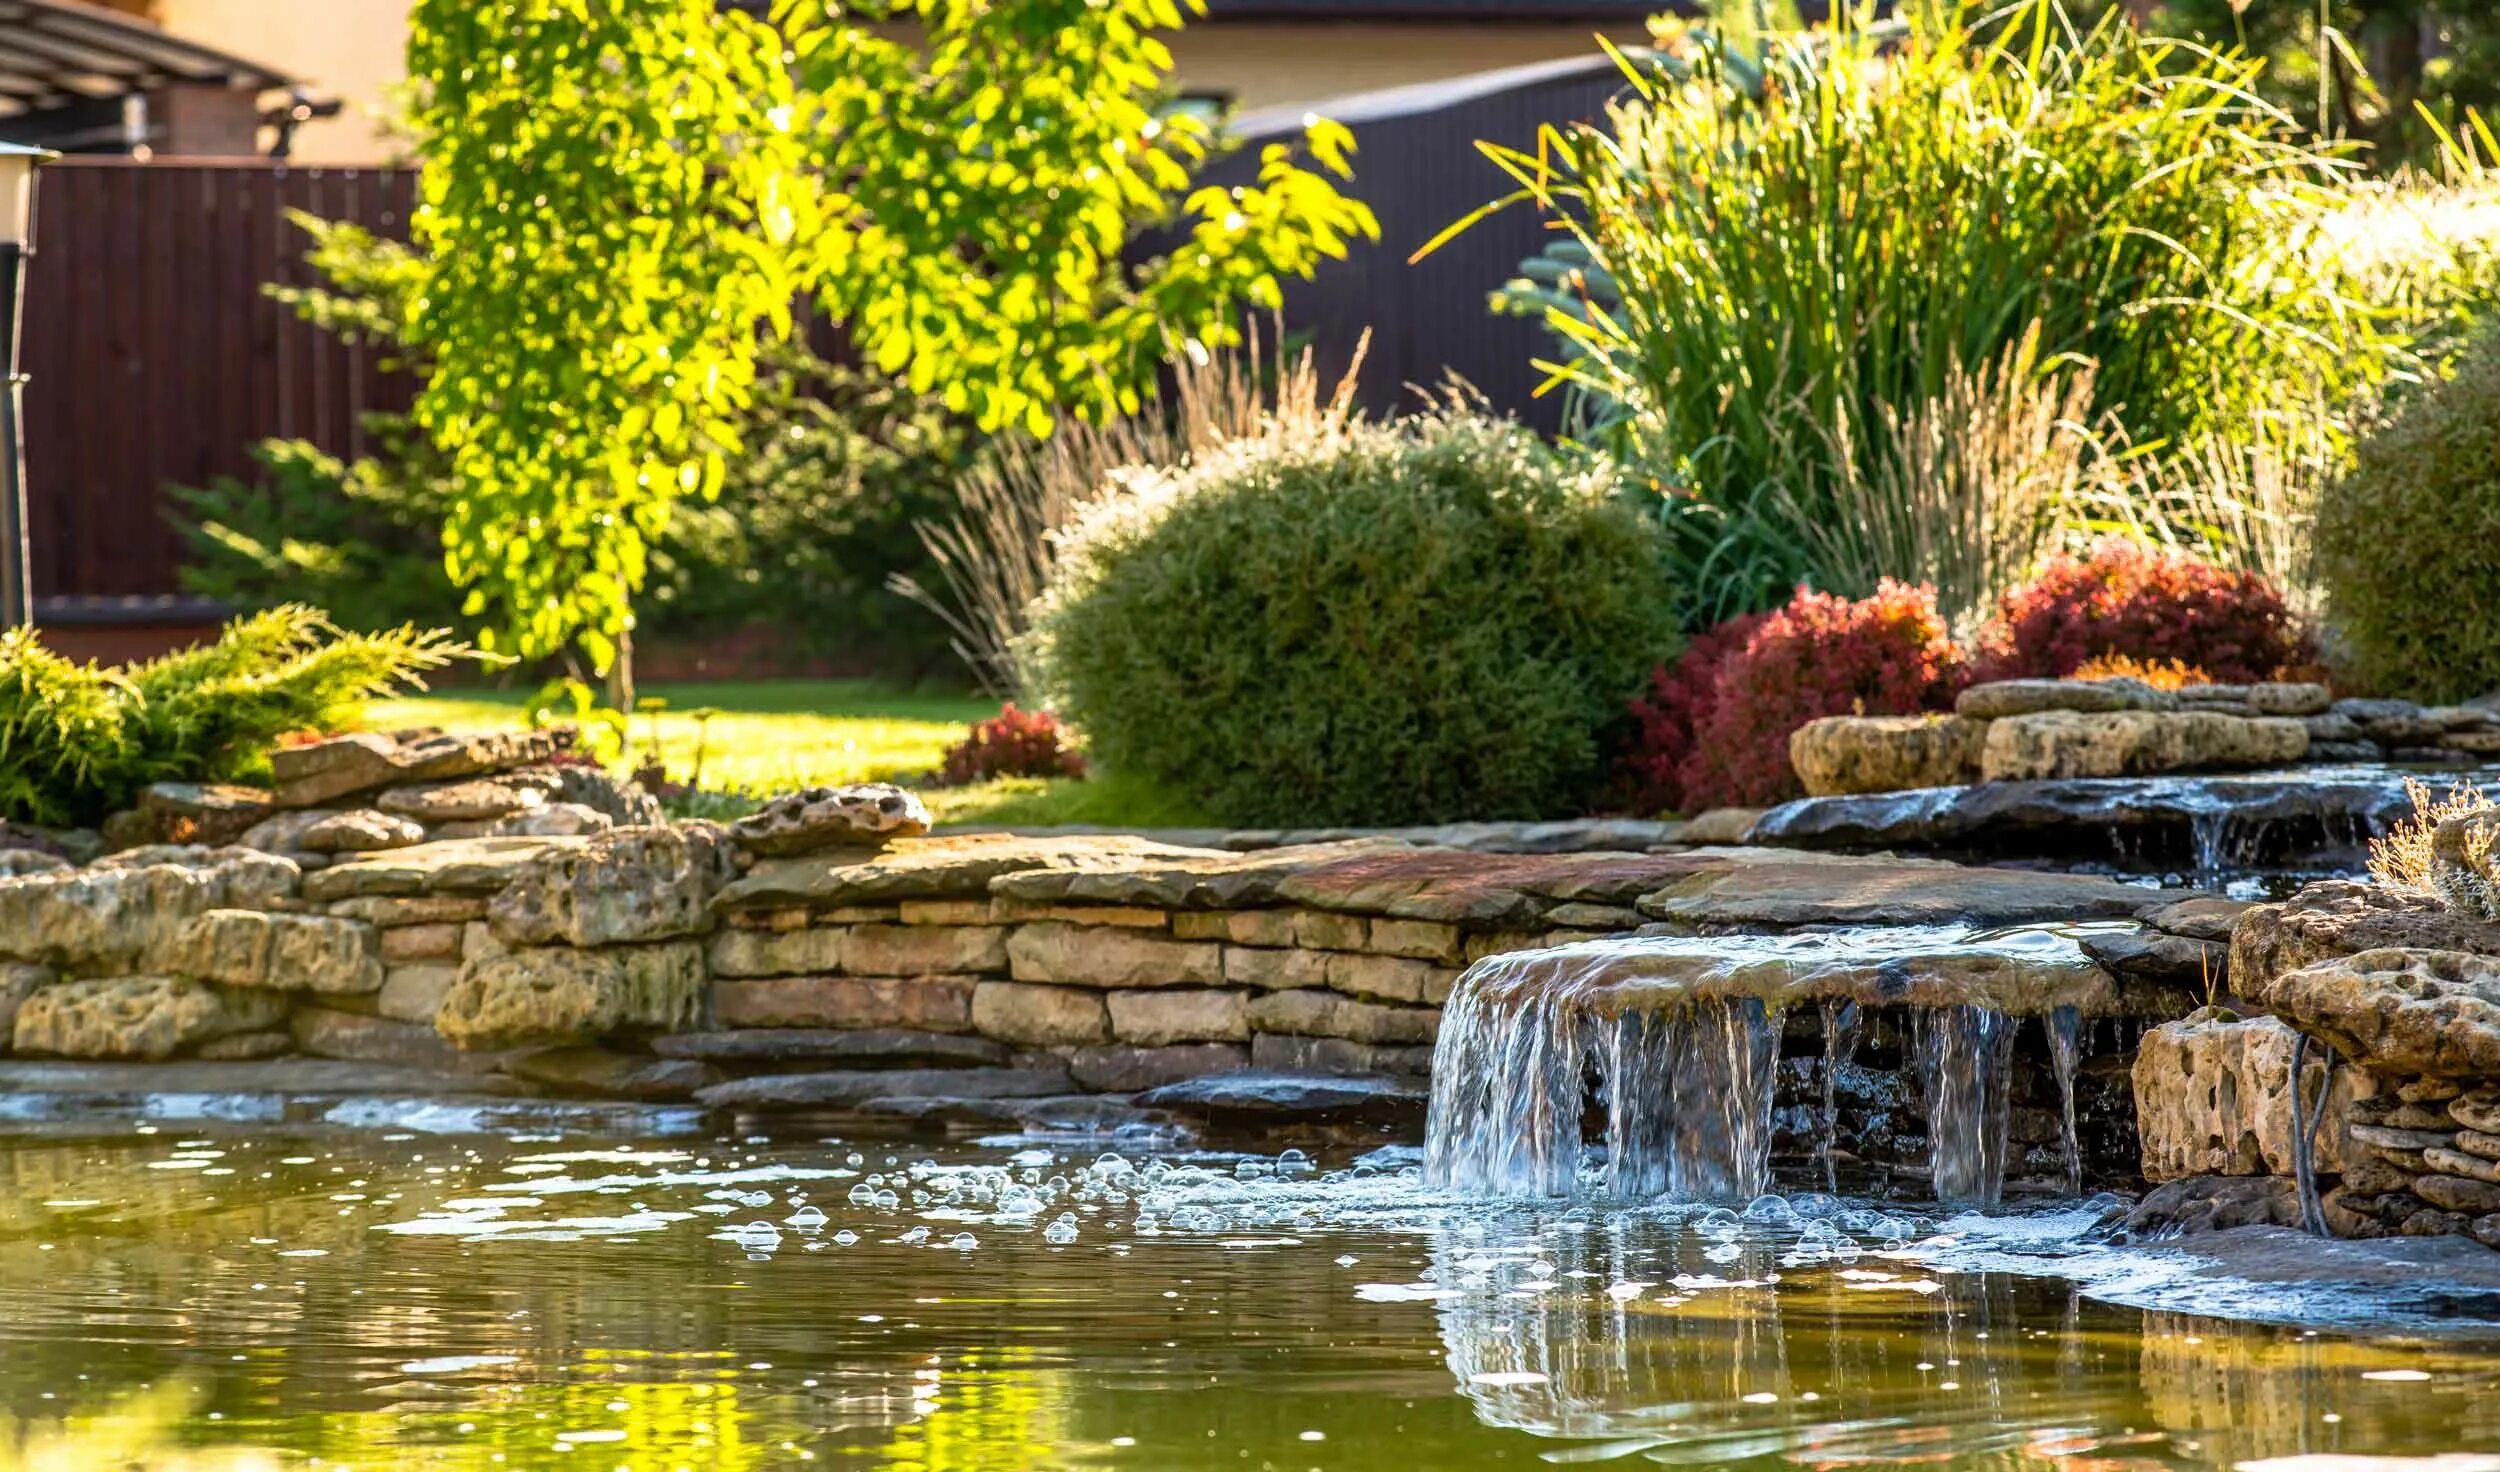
(1843, 1024)
(1675, 1041)
(2065, 1056)
(1965, 1061)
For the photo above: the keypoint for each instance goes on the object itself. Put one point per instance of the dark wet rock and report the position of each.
(2195, 1205)
(1126, 1070)
(599, 1073)
(1285, 1053)
(1845, 754)
(774, 1045)
(2344, 751)
(326, 1032)
(2294, 811)
(1483, 891)
(1782, 891)
(88, 1086)
(2204, 918)
(246, 1047)
(866, 814)
(1087, 1114)
(1258, 1096)
(2170, 960)
(855, 1086)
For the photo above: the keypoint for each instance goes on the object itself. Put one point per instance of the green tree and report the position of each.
(617, 197)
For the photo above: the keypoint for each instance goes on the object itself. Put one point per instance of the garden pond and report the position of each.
(415, 1284)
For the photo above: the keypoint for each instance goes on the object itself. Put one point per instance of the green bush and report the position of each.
(1772, 254)
(1418, 622)
(2408, 541)
(78, 741)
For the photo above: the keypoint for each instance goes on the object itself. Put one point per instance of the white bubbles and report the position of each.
(1770, 1210)
(963, 1242)
(1292, 1164)
(805, 1219)
(1062, 1229)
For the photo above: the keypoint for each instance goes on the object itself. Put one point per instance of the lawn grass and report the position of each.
(771, 736)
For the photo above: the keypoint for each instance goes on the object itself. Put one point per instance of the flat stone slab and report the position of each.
(949, 868)
(856, 1086)
(1486, 891)
(449, 866)
(307, 1077)
(831, 1045)
(1092, 1114)
(1792, 890)
(1296, 1098)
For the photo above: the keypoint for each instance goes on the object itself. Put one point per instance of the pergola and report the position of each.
(83, 79)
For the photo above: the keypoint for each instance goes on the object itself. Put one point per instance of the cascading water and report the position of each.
(2066, 1057)
(1843, 1025)
(1676, 1039)
(1965, 1056)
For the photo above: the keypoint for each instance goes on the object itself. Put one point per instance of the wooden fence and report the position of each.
(154, 358)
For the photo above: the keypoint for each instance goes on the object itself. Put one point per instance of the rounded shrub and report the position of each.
(2408, 541)
(1387, 623)
(1821, 655)
(2121, 598)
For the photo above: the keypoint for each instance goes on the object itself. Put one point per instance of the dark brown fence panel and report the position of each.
(154, 359)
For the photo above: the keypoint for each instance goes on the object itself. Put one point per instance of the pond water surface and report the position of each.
(411, 1290)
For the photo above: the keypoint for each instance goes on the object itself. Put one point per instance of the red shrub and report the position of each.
(2124, 598)
(1819, 656)
(1013, 743)
(1682, 693)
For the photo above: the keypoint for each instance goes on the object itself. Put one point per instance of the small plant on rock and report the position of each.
(1013, 743)
(2448, 849)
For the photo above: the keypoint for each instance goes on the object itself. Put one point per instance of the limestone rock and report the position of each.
(923, 950)
(469, 866)
(1284, 1053)
(415, 993)
(405, 943)
(150, 1017)
(2213, 1098)
(1999, 699)
(213, 813)
(547, 820)
(111, 918)
(1782, 890)
(925, 1003)
(360, 831)
(296, 953)
(326, 1032)
(2134, 743)
(283, 832)
(342, 766)
(2458, 1193)
(2398, 1012)
(16, 863)
(601, 1074)
(1324, 1014)
(1845, 754)
(1126, 1070)
(949, 868)
(559, 994)
(1722, 825)
(870, 814)
(324, 770)
(2342, 918)
(477, 799)
(18, 981)
(752, 953)
(635, 884)
(1110, 956)
(1037, 1016)
(1154, 1018)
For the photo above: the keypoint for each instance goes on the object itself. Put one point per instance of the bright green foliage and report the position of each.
(1771, 253)
(1388, 624)
(2408, 541)
(618, 196)
(78, 741)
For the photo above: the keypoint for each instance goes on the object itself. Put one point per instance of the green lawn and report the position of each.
(774, 735)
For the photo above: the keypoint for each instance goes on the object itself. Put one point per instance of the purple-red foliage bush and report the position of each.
(2124, 598)
(1013, 743)
(1716, 723)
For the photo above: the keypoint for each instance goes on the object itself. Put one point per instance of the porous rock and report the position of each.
(559, 994)
(1999, 699)
(633, 884)
(145, 1017)
(1845, 754)
(866, 814)
(2134, 743)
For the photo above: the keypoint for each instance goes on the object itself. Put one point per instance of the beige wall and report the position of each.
(349, 49)
(353, 49)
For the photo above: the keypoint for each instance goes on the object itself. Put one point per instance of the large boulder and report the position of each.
(2342, 918)
(253, 948)
(2213, 1098)
(114, 918)
(631, 884)
(342, 766)
(2399, 1013)
(146, 1017)
(1848, 754)
(2134, 743)
(556, 994)
(866, 814)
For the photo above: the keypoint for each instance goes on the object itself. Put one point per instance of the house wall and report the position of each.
(353, 49)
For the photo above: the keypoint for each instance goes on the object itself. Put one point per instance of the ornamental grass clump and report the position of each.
(78, 741)
(2447, 849)
(1777, 256)
(1414, 622)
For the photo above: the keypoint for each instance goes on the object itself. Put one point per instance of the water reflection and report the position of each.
(376, 1299)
